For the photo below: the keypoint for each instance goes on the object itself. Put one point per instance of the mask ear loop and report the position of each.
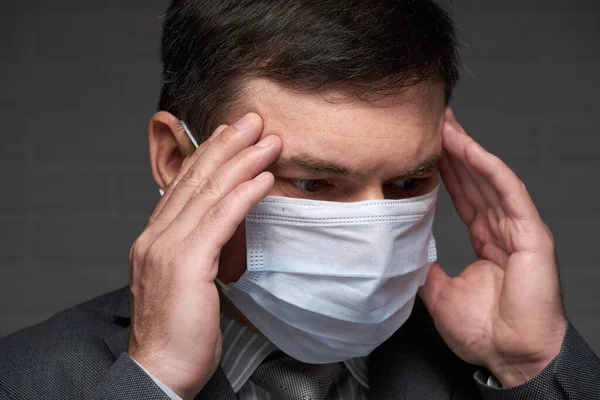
(189, 133)
(219, 283)
(192, 139)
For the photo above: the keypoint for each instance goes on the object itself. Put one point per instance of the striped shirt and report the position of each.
(244, 350)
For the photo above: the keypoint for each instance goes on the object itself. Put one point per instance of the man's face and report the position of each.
(348, 150)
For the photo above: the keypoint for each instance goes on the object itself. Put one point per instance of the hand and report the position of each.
(175, 331)
(504, 311)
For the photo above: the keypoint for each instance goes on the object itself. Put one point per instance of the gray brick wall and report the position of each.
(80, 80)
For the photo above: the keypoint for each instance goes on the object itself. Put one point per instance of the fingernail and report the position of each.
(266, 142)
(246, 123)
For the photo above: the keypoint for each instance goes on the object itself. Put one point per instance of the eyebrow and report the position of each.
(315, 165)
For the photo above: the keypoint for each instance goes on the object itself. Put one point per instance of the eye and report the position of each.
(408, 187)
(409, 183)
(308, 185)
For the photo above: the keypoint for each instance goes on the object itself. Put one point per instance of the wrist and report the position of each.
(514, 374)
(174, 378)
(514, 371)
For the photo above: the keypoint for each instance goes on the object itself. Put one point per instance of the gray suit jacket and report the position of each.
(81, 353)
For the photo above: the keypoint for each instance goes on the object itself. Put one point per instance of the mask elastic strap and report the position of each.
(192, 139)
(189, 133)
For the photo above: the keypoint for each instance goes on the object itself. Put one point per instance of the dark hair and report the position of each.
(210, 48)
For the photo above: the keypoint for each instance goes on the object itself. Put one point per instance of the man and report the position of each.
(284, 258)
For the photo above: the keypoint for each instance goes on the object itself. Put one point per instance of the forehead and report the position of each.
(366, 136)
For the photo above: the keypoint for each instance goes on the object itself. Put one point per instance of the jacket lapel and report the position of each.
(117, 342)
(217, 387)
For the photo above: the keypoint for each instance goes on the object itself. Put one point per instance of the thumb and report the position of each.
(436, 280)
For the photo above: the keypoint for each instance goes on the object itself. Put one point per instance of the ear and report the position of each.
(169, 147)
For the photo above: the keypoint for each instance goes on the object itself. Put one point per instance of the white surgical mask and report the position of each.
(329, 281)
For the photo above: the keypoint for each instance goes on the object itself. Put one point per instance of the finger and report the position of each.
(505, 183)
(182, 171)
(222, 220)
(243, 167)
(513, 196)
(465, 210)
(449, 114)
(481, 218)
(435, 283)
(466, 182)
(490, 206)
(223, 148)
(486, 191)
(477, 188)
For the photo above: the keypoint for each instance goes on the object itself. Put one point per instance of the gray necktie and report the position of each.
(286, 378)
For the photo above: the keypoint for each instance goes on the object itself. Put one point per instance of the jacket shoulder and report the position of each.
(64, 356)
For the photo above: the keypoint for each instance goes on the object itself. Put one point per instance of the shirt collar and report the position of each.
(244, 350)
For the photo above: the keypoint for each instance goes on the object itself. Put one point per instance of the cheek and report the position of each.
(279, 190)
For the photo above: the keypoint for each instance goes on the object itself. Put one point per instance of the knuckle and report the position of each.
(211, 188)
(134, 287)
(225, 138)
(189, 178)
(218, 214)
(520, 185)
(154, 255)
(132, 251)
(172, 184)
(496, 161)
(523, 186)
(135, 251)
(550, 234)
(134, 273)
(241, 195)
(193, 176)
(497, 165)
